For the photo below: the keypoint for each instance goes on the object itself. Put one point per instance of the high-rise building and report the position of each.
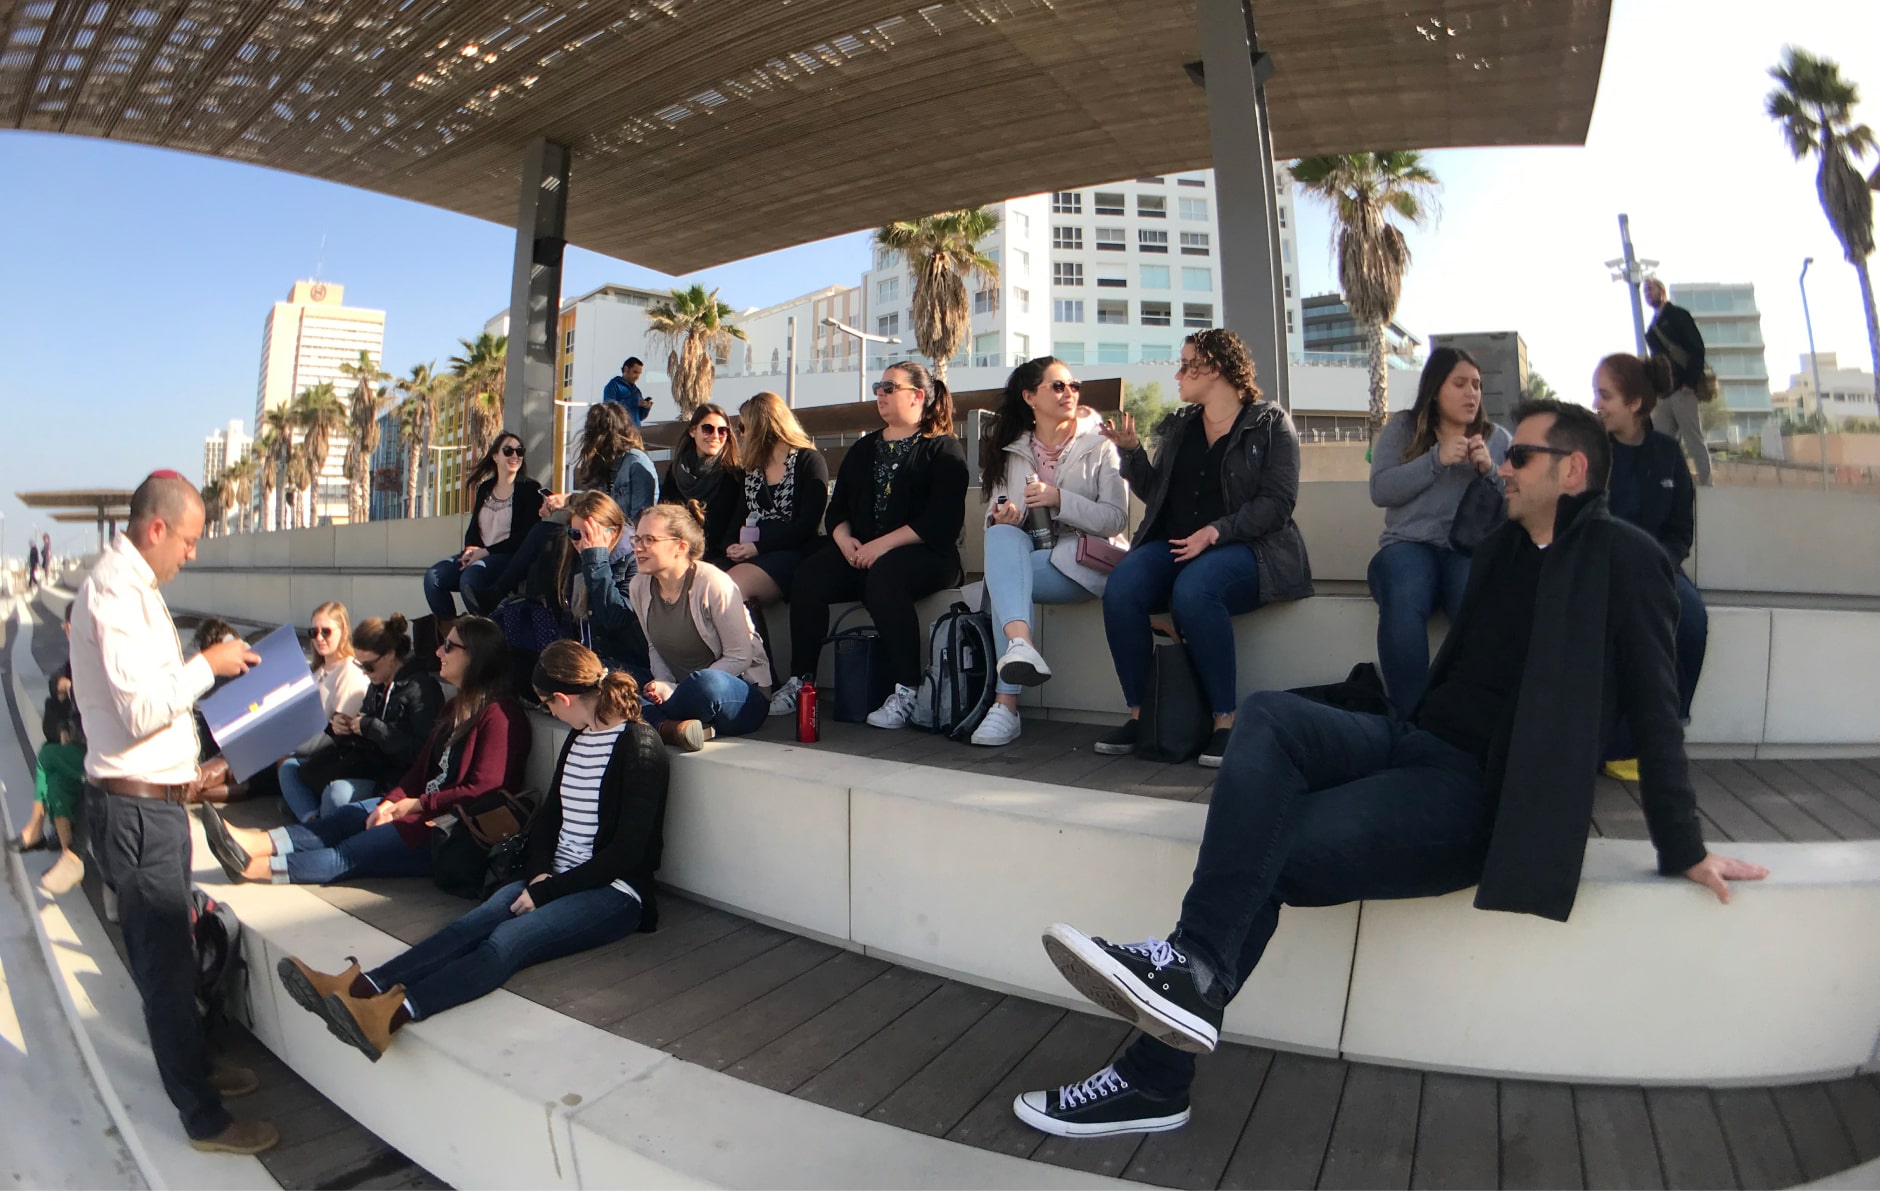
(222, 449)
(308, 339)
(1330, 330)
(386, 498)
(1727, 317)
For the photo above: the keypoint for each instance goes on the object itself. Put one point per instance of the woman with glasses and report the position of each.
(1217, 537)
(480, 744)
(1046, 451)
(896, 514)
(786, 492)
(342, 684)
(710, 671)
(704, 468)
(508, 503)
(591, 854)
(368, 748)
(596, 565)
(1423, 461)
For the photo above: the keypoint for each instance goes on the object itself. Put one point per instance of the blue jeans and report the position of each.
(1410, 581)
(309, 804)
(1205, 595)
(1316, 807)
(1019, 575)
(474, 955)
(1691, 643)
(725, 703)
(340, 846)
(475, 582)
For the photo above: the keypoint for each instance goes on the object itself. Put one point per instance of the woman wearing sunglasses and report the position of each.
(786, 493)
(480, 744)
(596, 566)
(705, 469)
(342, 684)
(1046, 451)
(508, 503)
(588, 870)
(896, 513)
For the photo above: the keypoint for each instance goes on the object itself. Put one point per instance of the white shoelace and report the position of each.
(1156, 951)
(1104, 1083)
(901, 702)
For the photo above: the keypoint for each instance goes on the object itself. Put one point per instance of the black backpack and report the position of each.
(221, 973)
(959, 685)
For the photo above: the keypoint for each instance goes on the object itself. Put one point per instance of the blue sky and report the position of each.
(137, 281)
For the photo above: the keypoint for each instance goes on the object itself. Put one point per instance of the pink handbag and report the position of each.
(1099, 554)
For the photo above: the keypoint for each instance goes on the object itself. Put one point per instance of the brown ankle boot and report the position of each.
(241, 1137)
(368, 1023)
(688, 736)
(310, 988)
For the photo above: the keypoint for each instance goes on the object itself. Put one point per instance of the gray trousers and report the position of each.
(1676, 415)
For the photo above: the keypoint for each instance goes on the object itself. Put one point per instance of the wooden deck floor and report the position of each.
(1739, 801)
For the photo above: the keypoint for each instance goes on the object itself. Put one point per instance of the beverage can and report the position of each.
(749, 535)
(808, 715)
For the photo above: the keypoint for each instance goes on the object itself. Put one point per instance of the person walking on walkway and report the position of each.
(1674, 337)
(1567, 623)
(138, 699)
(32, 566)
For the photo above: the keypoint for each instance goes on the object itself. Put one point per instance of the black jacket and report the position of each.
(1674, 328)
(630, 837)
(928, 494)
(395, 720)
(722, 518)
(524, 512)
(1260, 483)
(61, 713)
(613, 630)
(1601, 648)
(1667, 498)
(809, 501)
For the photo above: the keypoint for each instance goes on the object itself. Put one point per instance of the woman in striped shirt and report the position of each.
(592, 852)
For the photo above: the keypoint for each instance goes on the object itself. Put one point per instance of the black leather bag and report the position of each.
(481, 848)
(1480, 513)
(861, 671)
(1175, 718)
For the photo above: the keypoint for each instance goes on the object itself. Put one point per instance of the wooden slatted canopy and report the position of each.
(711, 130)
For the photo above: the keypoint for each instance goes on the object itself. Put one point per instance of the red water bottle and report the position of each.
(808, 716)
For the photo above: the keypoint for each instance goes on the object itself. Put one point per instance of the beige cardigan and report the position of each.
(718, 612)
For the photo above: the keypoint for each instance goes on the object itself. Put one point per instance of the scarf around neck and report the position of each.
(695, 478)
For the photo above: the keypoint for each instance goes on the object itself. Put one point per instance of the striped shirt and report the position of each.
(581, 799)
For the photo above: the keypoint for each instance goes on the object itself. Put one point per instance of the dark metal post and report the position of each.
(535, 299)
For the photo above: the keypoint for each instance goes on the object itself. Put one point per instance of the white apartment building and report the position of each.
(229, 445)
(308, 339)
(1845, 392)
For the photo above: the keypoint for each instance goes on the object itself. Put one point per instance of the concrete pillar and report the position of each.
(535, 305)
(1234, 73)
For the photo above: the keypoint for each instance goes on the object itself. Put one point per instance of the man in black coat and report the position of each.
(1566, 625)
(1674, 335)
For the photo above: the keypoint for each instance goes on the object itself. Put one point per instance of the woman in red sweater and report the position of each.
(480, 744)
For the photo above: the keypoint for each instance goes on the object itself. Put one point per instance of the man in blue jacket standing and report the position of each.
(625, 390)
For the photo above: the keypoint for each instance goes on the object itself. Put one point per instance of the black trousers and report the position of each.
(148, 846)
(888, 590)
(98, 832)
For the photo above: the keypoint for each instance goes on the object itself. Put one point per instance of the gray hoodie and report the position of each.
(1419, 496)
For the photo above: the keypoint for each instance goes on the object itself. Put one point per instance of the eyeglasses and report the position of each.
(512, 451)
(884, 387)
(711, 431)
(642, 539)
(1189, 368)
(1521, 454)
(451, 646)
(325, 633)
(1067, 386)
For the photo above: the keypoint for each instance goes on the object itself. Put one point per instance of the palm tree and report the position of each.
(1364, 191)
(241, 478)
(942, 253)
(214, 495)
(319, 415)
(416, 415)
(481, 373)
(1815, 107)
(692, 326)
(1537, 387)
(362, 433)
(275, 447)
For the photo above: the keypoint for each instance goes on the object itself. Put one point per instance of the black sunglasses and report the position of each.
(716, 431)
(513, 451)
(450, 646)
(574, 535)
(1521, 454)
(324, 632)
(1062, 386)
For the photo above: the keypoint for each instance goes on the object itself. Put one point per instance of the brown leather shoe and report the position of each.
(367, 1022)
(309, 988)
(688, 736)
(232, 1081)
(241, 1137)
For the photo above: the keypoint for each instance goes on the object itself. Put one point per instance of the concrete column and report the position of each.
(535, 305)
(1234, 73)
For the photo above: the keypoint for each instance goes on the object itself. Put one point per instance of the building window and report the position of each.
(986, 350)
(1152, 206)
(1067, 202)
(888, 289)
(1198, 314)
(1153, 180)
(1111, 239)
(1151, 239)
(1289, 320)
(1282, 214)
(1068, 273)
(1191, 181)
(1110, 202)
(986, 301)
(1021, 263)
(1023, 344)
(1195, 209)
(881, 259)
(1195, 244)
(1285, 251)
(1022, 299)
(1112, 277)
(1112, 353)
(1113, 312)
(1067, 238)
(1021, 223)
(567, 340)
(567, 375)
(888, 324)
(1067, 310)
(1154, 276)
(1155, 314)
(1197, 279)
(1157, 353)
(1289, 285)
(1070, 353)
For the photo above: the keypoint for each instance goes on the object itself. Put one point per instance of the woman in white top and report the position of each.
(1045, 452)
(342, 684)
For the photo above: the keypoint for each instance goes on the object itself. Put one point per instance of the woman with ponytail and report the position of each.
(895, 519)
(587, 873)
(709, 667)
(1651, 487)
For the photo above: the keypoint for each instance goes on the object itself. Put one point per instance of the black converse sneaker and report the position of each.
(1101, 1106)
(1148, 983)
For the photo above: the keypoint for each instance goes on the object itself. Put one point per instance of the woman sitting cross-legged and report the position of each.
(895, 517)
(591, 855)
(1046, 452)
(480, 744)
(368, 749)
(1422, 463)
(507, 505)
(1218, 538)
(709, 667)
(786, 492)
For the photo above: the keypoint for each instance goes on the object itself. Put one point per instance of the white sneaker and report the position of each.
(784, 701)
(110, 904)
(895, 712)
(1001, 726)
(1022, 665)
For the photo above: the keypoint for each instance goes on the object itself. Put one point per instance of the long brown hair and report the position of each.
(485, 675)
(391, 635)
(571, 668)
(1427, 414)
(590, 506)
(727, 457)
(605, 440)
(486, 466)
(764, 421)
(936, 411)
(1015, 416)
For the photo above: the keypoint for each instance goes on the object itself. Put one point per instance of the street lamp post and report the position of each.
(1633, 272)
(863, 339)
(567, 468)
(1814, 367)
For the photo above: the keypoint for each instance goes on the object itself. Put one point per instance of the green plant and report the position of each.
(1145, 403)
(694, 326)
(943, 252)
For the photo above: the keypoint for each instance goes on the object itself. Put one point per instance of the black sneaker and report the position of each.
(1102, 1106)
(1119, 741)
(1149, 984)
(1214, 749)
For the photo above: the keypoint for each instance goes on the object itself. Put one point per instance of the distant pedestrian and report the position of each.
(624, 390)
(1674, 335)
(32, 566)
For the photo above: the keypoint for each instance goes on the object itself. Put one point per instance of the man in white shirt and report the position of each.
(138, 698)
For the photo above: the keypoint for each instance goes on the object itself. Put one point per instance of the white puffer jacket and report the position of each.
(1092, 496)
